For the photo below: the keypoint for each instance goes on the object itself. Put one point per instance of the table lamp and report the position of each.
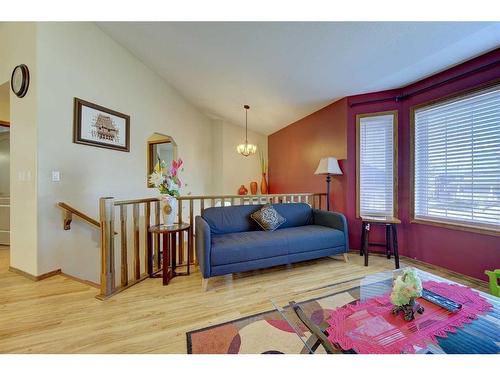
(328, 166)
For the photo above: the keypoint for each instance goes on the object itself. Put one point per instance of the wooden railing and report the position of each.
(70, 211)
(139, 255)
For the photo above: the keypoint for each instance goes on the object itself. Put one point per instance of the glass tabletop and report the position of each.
(482, 335)
(163, 228)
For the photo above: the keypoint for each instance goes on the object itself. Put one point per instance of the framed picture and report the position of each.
(100, 127)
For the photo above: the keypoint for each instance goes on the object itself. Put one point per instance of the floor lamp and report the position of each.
(328, 166)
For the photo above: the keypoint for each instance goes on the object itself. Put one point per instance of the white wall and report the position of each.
(79, 60)
(18, 46)
(232, 169)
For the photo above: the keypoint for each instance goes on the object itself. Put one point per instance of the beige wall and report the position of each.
(232, 169)
(79, 60)
(18, 46)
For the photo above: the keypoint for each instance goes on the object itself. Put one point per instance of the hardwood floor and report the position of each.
(61, 315)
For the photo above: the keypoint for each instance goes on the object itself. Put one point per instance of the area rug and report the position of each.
(265, 333)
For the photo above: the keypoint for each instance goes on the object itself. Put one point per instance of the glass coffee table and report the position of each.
(482, 335)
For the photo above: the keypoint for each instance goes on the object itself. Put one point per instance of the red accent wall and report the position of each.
(294, 153)
(295, 150)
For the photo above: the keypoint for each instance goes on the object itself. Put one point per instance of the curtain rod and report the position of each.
(405, 96)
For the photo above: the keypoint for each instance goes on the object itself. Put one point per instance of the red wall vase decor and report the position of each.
(263, 184)
(253, 187)
(242, 190)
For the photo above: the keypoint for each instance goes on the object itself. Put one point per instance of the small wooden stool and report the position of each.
(391, 236)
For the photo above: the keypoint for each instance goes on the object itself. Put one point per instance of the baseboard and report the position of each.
(470, 279)
(402, 258)
(87, 282)
(33, 277)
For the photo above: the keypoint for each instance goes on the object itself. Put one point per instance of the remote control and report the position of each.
(441, 301)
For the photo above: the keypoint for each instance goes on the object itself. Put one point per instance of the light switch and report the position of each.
(56, 176)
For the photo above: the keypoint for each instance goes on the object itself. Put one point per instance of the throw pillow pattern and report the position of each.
(268, 218)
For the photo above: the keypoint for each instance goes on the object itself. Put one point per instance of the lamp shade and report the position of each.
(328, 165)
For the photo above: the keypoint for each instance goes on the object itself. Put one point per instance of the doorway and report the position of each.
(4, 165)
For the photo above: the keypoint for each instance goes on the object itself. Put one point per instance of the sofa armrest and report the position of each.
(203, 245)
(334, 220)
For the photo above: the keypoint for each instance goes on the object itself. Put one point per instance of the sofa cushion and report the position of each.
(244, 246)
(312, 237)
(268, 218)
(296, 214)
(231, 219)
(234, 219)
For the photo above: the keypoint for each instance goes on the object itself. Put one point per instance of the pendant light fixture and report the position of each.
(246, 148)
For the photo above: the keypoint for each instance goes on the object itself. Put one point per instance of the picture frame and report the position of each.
(98, 126)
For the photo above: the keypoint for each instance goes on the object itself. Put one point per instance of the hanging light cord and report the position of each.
(246, 126)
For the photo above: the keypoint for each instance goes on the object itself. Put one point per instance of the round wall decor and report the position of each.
(20, 80)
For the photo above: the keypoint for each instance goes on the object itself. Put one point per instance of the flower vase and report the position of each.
(168, 206)
(263, 184)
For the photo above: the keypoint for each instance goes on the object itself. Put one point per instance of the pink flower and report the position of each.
(176, 165)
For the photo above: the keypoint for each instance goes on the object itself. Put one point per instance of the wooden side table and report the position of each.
(169, 249)
(391, 236)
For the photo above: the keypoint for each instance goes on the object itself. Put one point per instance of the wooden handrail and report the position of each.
(262, 196)
(68, 216)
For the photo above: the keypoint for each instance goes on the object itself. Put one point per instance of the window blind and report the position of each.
(457, 160)
(376, 165)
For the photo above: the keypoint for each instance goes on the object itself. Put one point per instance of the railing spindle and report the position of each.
(156, 256)
(137, 258)
(148, 250)
(191, 222)
(107, 224)
(181, 234)
(123, 236)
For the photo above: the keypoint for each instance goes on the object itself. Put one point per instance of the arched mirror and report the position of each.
(160, 148)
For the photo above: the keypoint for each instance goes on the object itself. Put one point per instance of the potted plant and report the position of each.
(166, 180)
(407, 288)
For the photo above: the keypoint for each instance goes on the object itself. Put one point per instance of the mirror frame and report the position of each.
(158, 138)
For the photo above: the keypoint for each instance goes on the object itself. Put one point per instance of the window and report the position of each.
(376, 164)
(457, 161)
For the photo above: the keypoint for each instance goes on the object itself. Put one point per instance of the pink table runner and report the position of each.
(369, 327)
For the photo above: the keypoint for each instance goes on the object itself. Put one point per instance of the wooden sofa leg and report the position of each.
(204, 284)
(346, 257)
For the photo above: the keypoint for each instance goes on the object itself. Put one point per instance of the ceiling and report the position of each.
(287, 70)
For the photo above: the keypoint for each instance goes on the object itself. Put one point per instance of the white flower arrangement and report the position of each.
(166, 179)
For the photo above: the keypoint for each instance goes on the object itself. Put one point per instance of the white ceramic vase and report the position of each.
(168, 206)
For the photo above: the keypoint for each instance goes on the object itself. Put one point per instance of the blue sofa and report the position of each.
(228, 240)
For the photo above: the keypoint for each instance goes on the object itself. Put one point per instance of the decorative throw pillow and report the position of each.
(268, 218)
